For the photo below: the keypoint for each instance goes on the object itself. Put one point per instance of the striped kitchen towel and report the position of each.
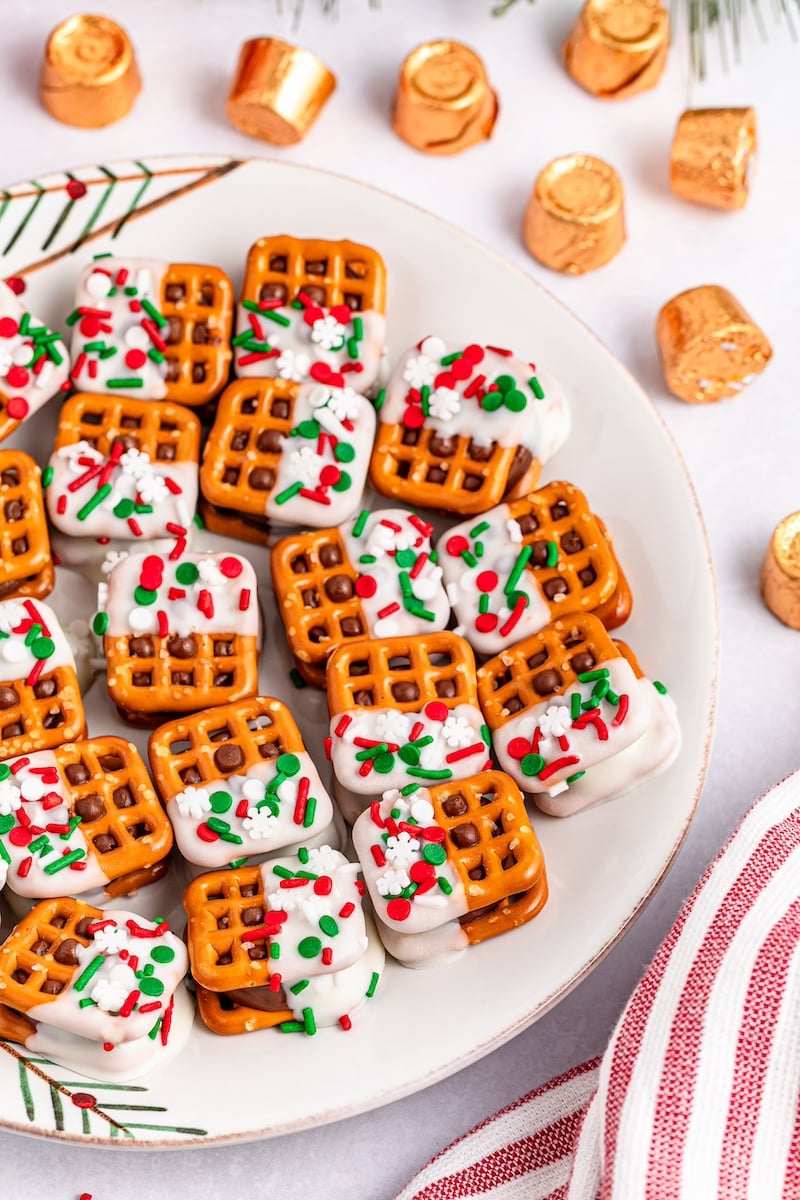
(697, 1096)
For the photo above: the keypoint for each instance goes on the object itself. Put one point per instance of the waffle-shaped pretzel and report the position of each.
(404, 711)
(372, 577)
(221, 1014)
(464, 427)
(310, 307)
(124, 469)
(531, 561)
(248, 928)
(65, 951)
(560, 702)
(40, 700)
(26, 566)
(180, 636)
(470, 854)
(152, 329)
(82, 816)
(289, 454)
(34, 363)
(237, 780)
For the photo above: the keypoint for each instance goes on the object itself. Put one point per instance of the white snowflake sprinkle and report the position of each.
(10, 798)
(209, 572)
(193, 802)
(293, 364)
(152, 488)
(457, 732)
(402, 850)
(345, 403)
(111, 940)
(305, 465)
(392, 882)
(445, 403)
(135, 463)
(11, 615)
(555, 720)
(391, 726)
(259, 823)
(420, 371)
(324, 860)
(111, 559)
(328, 333)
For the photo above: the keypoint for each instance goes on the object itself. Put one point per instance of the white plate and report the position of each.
(602, 865)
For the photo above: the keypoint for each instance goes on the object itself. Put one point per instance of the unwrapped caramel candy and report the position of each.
(278, 91)
(618, 47)
(710, 347)
(712, 156)
(780, 575)
(89, 74)
(444, 102)
(575, 220)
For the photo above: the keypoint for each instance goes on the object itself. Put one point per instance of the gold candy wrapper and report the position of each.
(618, 48)
(710, 347)
(575, 219)
(278, 91)
(89, 74)
(713, 155)
(443, 102)
(780, 574)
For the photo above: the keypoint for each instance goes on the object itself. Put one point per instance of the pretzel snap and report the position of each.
(26, 566)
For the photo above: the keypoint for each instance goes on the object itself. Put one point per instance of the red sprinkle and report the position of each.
(487, 581)
(275, 982)
(464, 752)
(559, 765)
(231, 567)
(323, 886)
(346, 1025)
(347, 910)
(518, 747)
(244, 599)
(16, 284)
(375, 814)
(205, 834)
(456, 545)
(343, 725)
(486, 622)
(377, 854)
(76, 189)
(622, 710)
(388, 610)
(398, 909)
(327, 956)
(422, 558)
(366, 586)
(436, 710)
(242, 808)
(23, 870)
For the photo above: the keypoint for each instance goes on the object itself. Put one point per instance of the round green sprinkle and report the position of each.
(220, 801)
(150, 986)
(383, 763)
(506, 383)
(5, 771)
(187, 573)
(434, 853)
(409, 755)
(43, 647)
(343, 482)
(308, 429)
(328, 926)
(287, 764)
(162, 954)
(491, 401)
(145, 596)
(344, 452)
(309, 947)
(126, 508)
(100, 623)
(532, 764)
(405, 558)
(515, 401)
(7, 823)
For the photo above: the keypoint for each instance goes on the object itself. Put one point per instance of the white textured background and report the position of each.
(743, 454)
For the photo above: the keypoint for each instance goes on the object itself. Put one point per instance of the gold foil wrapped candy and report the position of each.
(618, 47)
(278, 91)
(780, 575)
(575, 220)
(443, 102)
(712, 156)
(710, 347)
(89, 74)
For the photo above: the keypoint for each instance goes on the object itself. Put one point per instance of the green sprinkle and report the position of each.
(419, 773)
(287, 764)
(344, 452)
(153, 312)
(612, 697)
(433, 853)
(360, 522)
(150, 986)
(373, 983)
(187, 573)
(124, 383)
(659, 686)
(292, 1027)
(343, 482)
(575, 705)
(90, 347)
(41, 844)
(297, 988)
(515, 401)
(309, 947)
(469, 558)
(124, 509)
(352, 347)
(6, 857)
(307, 429)
(73, 317)
(450, 358)
(96, 500)
(297, 678)
(274, 950)
(43, 647)
(379, 400)
(153, 1034)
(7, 823)
(483, 603)
(60, 863)
(600, 690)
(100, 624)
(5, 770)
(272, 315)
(416, 607)
(409, 755)
(405, 559)
(147, 969)
(86, 1002)
(574, 778)
(47, 477)
(383, 763)
(237, 862)
(478, 548)
(372, 751)
(406, 586)
(156, 355)
(591, 676)
(311, 812)
(288, 492)
(589, 704)
(536, 387)
(283, 872)
(33, 633)
(445, 885)
(506, 383)
(144, 596)
(518, 568)
(231, 837)
(198, 520)
(491, 401)
(367, 559)
(552, 554)
(409, 789)
(486, 734)
(217, 825)
(162, 954)
(531, 765)
(479, 529)
(88, 973)
(328, 926)
(242, 338)
(129, 291)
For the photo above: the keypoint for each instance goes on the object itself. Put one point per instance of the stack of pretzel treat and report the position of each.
(456, 612)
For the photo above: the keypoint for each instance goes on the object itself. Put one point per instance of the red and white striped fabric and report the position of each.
(698, 1093)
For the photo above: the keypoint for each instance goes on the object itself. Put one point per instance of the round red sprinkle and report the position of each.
(84, 1100)
(487, 581)
(89, 326)
(16, 284)
(8, 327)
(413, 417)
(444, 379)
(461, 368)
(474, 353)
(436, 711)
(135, 358)
(17, 408)
(153, 563)
(434, 833)
(366, 586)
(17, 377)
(485, 622)
(319, 370)
(76, 189)
(420, 871)
(205, 834)
(231, 567)
(518, 747)
(20, 836)
(456, 545)
(323, 886)
(150, 581)
(398, 910)
(329, 475)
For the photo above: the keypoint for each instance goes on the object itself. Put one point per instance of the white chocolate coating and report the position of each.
(435, 948)
(341, 993)
(17, 617)
(379, 540)
(117, 321)
(304, 459)
(501, 544)
(126, 616)
(299, 350)
(19, 355)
